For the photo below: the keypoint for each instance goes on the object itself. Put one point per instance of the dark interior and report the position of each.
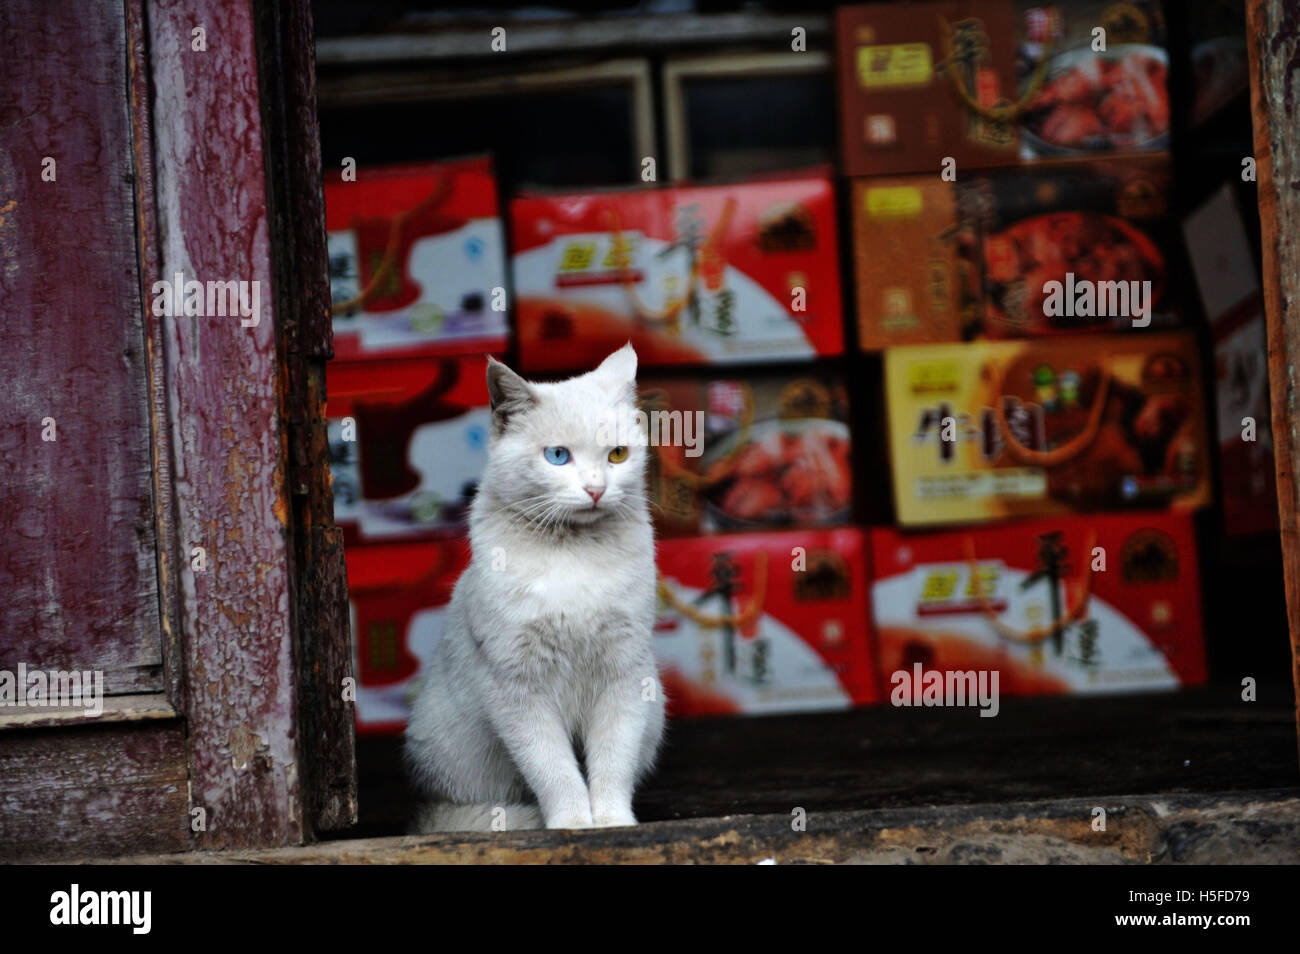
(1203, 740)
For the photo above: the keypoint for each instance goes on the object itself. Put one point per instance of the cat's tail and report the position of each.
(449, 816)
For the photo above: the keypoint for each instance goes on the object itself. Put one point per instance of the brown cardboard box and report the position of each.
(899, 111)
(914, 286)
(943, 261)
(999, 82)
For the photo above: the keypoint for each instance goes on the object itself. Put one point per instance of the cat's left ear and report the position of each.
(618, 371)
(508, 394)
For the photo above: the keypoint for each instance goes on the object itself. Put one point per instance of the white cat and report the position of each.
(546, 645)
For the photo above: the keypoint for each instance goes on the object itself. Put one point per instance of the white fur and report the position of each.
(545, 652)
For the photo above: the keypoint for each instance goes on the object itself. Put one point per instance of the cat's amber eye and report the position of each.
(618, 455)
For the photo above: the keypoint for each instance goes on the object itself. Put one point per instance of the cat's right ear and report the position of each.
(508, 394)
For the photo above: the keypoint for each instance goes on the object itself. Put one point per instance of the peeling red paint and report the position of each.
(212, 210)
(77, 571)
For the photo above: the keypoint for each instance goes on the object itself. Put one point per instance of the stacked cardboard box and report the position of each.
(399, 593)
(728, 274)
(764, 452)
(1102, 603)
(760, 623)
(1024, 145)
(1062, 249)
(985, 83)
(1014, 260)
(987, 430)
(408, 441)
(749, 464)
(417, 261)
(417, 274)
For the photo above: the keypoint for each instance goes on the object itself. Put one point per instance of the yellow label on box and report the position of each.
(577, 256)
(1028, 482)
(893, 202)
(894, 64)
(930, 377)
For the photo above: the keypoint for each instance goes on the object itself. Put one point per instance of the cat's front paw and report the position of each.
(616, 818)
(571, 820)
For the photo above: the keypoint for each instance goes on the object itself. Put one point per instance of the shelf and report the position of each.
(578, 36)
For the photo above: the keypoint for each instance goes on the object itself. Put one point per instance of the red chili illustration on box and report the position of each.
(398, 593)
(1106, 603)
(417, 261)
(717, 274)
(761, 623)
(408, 442)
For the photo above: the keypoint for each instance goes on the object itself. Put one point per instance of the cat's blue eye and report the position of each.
(556, 455)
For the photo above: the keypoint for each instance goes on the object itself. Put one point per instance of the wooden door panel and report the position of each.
(93, 791)
(78, 573)
(230, 726)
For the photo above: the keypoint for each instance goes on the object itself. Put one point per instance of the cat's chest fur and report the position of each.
(568, 610)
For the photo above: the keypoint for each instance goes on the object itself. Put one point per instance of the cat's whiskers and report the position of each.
(516, 504)
(530, 513)
(523, 514)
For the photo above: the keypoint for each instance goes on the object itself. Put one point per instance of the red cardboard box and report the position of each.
(408, 443)
(1073, 605)
(996, 82)
(763, 623)
(723, 274)
(417, 261)
(759, 452)
(398, 594)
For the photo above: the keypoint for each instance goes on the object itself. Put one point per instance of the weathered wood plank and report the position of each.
(329, 722)
(1257, 828)
(1273, 31)
(102, 790)
(170, 557)
(228, 435)
(328, 772)
(115, 709)
(77, 569)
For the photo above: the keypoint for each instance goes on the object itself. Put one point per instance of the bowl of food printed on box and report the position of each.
(779, 472)
(1096, 102)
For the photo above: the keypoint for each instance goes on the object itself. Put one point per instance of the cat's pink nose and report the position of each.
(594, 493)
